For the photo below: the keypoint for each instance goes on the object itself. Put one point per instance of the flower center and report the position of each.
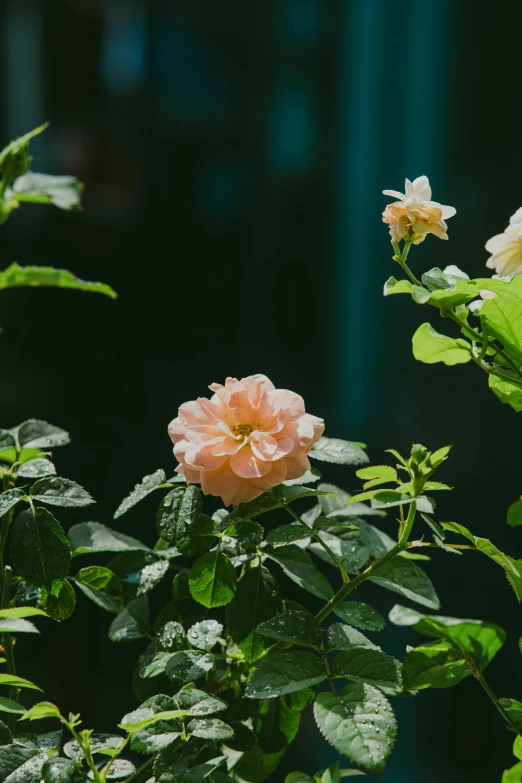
(241, 430)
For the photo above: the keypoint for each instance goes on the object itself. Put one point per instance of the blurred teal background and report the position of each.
(234, 153)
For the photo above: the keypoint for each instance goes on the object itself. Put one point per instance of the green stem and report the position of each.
(487, 690)
(372, 569)
(480, 339)
(399, 547)
(111, 761)
(340, 565)
(7, 641)
(4, 533)
(87, 753)
(139, 774)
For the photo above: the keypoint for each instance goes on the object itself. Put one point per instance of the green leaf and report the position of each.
(506, 392)
(257, 599)
(213, 580)
(36, 468)
(63, 191)
(9, 499)
(287, 534)
(62, 606)
(12, 681)
(14, 755)
(22, 611)
(431, 347)
(513, 775)
(15, 625)
(189, 665)
(197, 702)
(405, 577)
(16, 276)
(342, 637)
(377, 473)
(285, 672)
(298, 566)
(479, 640)
(143, 717)
(132, 623)
(102, 586)
(350, 550)
(434, 665)
(140, 491)
(8, 705)
(38, 434)
(60, 492)
(40, 550)
(89, 537)
(368, 665)
(210, 728)
(20, 144)
(278, 497)
(514, 517)
(512, 568)
(294, 626)
(418, 293)
(513, 709)
(359, 723)
(205, 634)
(501, 318)
(455, 527)
(59, 770)
(361, 615)
(138, 571)
(341, 452)
(307, 478)
(177, 512)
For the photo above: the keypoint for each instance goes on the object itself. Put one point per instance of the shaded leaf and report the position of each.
(148, 484)
(405, 577)
(296, 627)
(40, 550)
(298, 566)
(257, 598)
(89, 537)
(342, 452)
(359, 723)
(38, 434)
(361, 615)
(213, 580)
(60, 492)
(285, 672)
(132, 623)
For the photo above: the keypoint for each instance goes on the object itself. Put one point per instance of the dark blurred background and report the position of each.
(234, 153)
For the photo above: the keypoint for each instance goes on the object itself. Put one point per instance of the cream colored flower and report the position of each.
(476, 305)
(415, 215)
(506, 248)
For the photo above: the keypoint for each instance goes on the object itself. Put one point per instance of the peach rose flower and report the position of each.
(247, 438)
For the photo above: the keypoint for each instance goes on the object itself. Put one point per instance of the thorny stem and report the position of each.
(340, 565)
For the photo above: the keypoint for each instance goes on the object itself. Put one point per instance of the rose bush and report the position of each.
(227, 658)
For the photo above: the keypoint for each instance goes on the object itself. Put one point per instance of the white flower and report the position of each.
(476, 306)
(414, 214)
(506, 248)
